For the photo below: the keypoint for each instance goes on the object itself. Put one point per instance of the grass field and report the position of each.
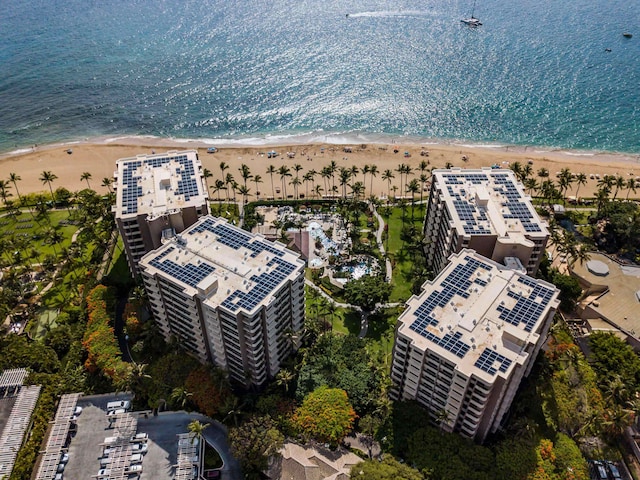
(397, 249)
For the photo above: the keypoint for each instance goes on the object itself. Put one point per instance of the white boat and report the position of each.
(472, 21)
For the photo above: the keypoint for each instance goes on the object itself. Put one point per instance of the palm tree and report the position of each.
(531, 185)
(197, 428)
(48, 178)
(180, 396)
(565, 179)
(388, 176)
(229, 180)
(357, 190)
(344, 175)
(296, 168)
(400, 171)
(244, 191)
(284, 379)
(15, 178)
(86, 176)
(516, 167)
(424, 178)
(4, 191)
(619, 182)
(581, 179)
(325, 174)
(284, 172)
(543, 173)
(223, 167)
(318, 191)
(442, 419)
(107, 182)
(364, 170)
(632, 185)
(271, 170)
(306, 178)
(245, 173)
(54, 237)
(333, 167)
(218, 185)
(295, 183)
(206, 173)
(413, 188)
(602, 197)
(373, 172)
(256, 180)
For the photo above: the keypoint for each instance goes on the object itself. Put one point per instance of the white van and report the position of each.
(119, 405)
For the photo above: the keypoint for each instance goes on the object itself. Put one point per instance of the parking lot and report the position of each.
(158, 463)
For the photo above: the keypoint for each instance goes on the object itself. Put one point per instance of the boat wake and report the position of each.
(392, 14)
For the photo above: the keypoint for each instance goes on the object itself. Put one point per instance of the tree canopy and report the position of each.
(341, 362)
(325, 415)
(611, 358)
(253, 442)
(388, 469)
(367, 291)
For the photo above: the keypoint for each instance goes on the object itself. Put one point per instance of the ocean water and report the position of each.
(536, 73)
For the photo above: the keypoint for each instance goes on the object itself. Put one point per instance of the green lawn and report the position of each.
(346, 322)
(397, 251)
(225, 210)
(36, 231)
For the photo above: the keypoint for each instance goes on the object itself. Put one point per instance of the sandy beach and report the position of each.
(99, 160)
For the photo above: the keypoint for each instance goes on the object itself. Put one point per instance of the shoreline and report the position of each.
(317, 138)
(98, 156)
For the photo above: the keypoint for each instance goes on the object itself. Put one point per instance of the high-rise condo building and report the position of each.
(157, 195)
(464, 344)
(229, 296)
(486, 210)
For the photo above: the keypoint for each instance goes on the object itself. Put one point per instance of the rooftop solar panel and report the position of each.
(491, 362)
(188, 185)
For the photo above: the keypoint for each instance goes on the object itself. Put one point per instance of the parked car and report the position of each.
(64, 458)
(104, 472)
(125, 404)
(133, 469)
(140, 437)
(212, 150)
(139, 448)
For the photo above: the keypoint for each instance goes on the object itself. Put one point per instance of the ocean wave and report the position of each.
(393, 13)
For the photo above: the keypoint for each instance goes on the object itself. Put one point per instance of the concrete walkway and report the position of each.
(364, 314)
(388, 268)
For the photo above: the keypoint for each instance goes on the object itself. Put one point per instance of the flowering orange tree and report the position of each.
(325, 415)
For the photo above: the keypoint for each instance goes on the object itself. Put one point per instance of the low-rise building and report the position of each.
(464, 344)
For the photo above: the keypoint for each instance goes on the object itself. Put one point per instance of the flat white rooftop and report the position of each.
(159, 183)
(229, 266)
(479, 314)
(488, 202)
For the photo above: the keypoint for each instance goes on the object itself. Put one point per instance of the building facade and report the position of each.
(230, 297)
(485, 210)
(464, 344)
(157, 195)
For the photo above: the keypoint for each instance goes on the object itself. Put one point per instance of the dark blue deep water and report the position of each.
(536, 73)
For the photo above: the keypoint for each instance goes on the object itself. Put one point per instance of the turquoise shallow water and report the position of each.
(536, 73)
